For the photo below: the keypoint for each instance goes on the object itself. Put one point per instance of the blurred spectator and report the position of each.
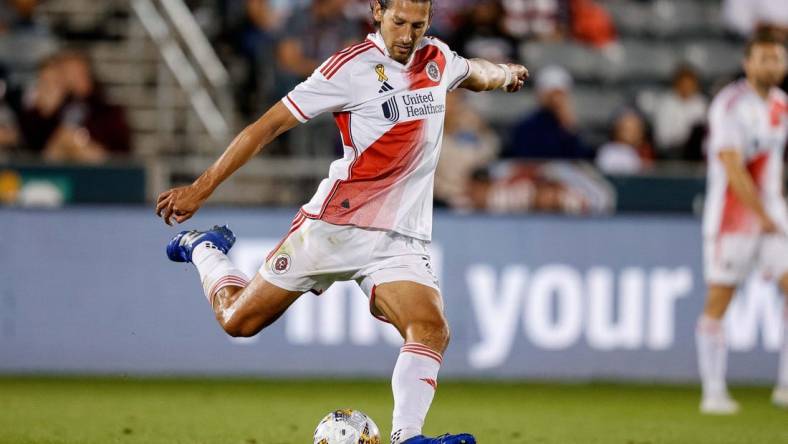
(42, 105)
(537, 19)
(447, 16)
(482, 34)
(552, 187)
(679, 117)
(468, 144)
(9, 133)
(254, 38)
(629, 150)
(66, 118)
(311, 35)
(91, 128)
(744, 16)
(550, 132)
(19, 28)
(591, 23)
(18, 16)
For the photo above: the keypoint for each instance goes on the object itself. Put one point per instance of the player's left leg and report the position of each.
(416, 310)
(780, 394)
(774, 261)
(242, 308)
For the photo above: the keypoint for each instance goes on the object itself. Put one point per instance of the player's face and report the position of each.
(403, 25)
(766, 64)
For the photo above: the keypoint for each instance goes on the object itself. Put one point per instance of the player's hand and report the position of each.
(519, 76)
(768, 226)
(178, 204)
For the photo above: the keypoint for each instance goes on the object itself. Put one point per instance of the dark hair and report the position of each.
(684, 70)
(384, 4)
(762, 36)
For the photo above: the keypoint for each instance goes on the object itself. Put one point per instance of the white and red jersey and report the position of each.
(739, 119)
(390, 118)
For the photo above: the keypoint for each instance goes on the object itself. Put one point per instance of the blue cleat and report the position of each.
(462, 438)
(180, 248)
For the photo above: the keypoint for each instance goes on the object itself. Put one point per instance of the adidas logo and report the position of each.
(396, 436)
(385, 88)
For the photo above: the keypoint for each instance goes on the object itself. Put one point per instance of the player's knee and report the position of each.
(241, 329)
(433, 333)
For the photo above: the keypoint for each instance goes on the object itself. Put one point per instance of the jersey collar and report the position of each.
(378, 41)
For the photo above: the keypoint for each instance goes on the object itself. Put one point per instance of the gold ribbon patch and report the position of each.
(381, 71)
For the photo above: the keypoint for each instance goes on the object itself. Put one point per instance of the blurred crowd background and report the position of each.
(112, 101)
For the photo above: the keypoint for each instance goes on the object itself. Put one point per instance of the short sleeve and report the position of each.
(458, 68)
(319, 94)
(725, 129)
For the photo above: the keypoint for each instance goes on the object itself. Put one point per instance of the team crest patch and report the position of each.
(433, 71)
(281, 263)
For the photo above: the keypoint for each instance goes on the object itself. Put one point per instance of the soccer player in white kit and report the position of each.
(370, 219)
(745, 221)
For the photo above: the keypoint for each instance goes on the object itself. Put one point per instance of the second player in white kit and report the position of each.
(371, 218)
(745, 220)
(742, 121)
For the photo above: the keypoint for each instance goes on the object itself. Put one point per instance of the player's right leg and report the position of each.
(728, 259)
(713, 352)
(416, 310)
(242, 308)
(774, 259)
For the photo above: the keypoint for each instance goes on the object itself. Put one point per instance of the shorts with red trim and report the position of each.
(315, 254)
(729, 258)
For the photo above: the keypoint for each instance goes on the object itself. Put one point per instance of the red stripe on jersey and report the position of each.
(341, 61)
(337, 54)
(343, 123)
(776, 111)
(417, 73)
(296, 107)
(346, 58)
(736, 216)
(371, 185)
(333, 59)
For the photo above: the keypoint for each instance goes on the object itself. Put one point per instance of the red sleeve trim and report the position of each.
(296, 107)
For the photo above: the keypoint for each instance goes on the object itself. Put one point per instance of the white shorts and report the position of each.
(315, 254)
(729, 259)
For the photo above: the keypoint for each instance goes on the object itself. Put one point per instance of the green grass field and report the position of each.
(105, 411)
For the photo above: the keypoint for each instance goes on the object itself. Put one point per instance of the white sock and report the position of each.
(216, 270)
(782, 379)
(712, 356)
(413, 383)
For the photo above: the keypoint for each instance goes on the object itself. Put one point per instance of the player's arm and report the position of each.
(179, 204)
(743, 186)
(486, 76)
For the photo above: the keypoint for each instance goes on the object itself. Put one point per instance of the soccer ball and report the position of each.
(347, 426)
